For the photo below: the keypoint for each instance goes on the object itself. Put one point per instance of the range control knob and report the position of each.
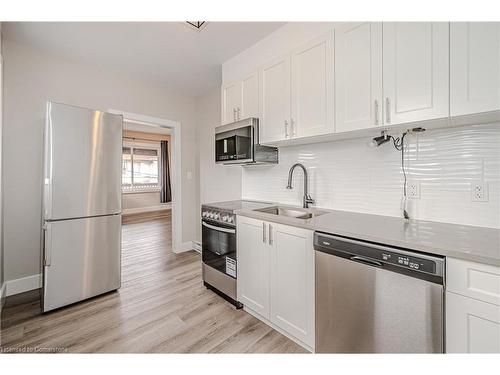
(224, 218)
(211, 215)
(216, 216)
(230, 219)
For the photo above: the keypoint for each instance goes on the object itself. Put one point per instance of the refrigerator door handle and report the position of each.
(47, 251)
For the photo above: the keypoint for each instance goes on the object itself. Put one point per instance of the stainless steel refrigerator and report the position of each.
(81, 205)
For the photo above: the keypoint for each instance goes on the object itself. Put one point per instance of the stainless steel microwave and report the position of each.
(238, 143)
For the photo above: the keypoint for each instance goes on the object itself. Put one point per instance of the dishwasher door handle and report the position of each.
(370, 262)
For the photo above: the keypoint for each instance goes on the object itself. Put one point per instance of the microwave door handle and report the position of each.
(220, 229)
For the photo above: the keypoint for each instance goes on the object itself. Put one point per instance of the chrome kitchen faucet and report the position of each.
(306, 200)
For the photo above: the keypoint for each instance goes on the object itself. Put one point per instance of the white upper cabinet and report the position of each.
(240, 99)
(416, 70)
(249, 96)
(275, 100)
(312, 88)
(474, 67)
(358, 76)
(231, 94)
(367, 74)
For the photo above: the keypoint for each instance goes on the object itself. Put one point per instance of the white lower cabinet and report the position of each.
(472, 326)
(292, 281)
(472, 307)
(253, 259)
(276, 275)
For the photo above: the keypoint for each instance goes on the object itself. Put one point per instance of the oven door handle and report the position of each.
(225, 230)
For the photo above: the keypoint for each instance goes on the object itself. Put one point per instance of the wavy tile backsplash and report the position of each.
(349, 175)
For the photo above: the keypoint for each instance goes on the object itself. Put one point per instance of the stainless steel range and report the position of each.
(218, 222)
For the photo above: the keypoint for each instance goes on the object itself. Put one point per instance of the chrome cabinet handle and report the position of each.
(387, 110)
(234, 114)
(286, 129)
(376, 112)
(292, 123)
(264, 238)
(271, 239)
(238, 113)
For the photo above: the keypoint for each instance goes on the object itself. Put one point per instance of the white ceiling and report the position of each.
(169, 54)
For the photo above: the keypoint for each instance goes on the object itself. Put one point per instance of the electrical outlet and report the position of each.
(479, 191)
(413, 189)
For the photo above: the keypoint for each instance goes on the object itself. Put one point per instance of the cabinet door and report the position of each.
(292, 281)
(275, 100)
(249, 96)
(253, 257)
(312, 88)
(230, 102)
(416, 69)
(358, 76)
(474, 67)
(472, 326)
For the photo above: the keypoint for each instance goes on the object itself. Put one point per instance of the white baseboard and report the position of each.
(23, 284)
(197, 246)
(185, 246)
(138, 210)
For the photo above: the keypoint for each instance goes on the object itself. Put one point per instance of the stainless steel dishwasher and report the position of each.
(372, 298)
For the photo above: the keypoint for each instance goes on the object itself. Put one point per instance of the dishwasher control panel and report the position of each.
(415, 263)
(379, 255)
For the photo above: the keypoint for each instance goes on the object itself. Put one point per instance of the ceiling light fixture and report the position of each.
(197, 25)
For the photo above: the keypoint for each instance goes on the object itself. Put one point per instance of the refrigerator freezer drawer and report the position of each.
(82, 259)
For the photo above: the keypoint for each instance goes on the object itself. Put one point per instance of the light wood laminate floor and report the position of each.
(161, 307)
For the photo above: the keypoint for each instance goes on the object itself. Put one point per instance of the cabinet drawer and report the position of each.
(475, 280)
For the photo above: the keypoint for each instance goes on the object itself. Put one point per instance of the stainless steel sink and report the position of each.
(296, 213)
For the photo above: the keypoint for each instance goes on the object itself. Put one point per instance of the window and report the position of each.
(140, 168)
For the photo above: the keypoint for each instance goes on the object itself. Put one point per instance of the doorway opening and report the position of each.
(146, 185)
(151, 178)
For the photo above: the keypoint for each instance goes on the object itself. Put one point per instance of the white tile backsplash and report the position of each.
(349, 175)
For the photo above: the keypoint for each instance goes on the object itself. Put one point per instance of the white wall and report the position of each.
(140, 200)
(31, 78)
(217, 182)
(349, 175)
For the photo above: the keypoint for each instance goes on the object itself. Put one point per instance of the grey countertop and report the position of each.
(466, 242)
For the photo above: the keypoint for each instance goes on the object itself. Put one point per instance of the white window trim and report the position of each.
(143, 189)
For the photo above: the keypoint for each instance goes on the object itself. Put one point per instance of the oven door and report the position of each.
(219, 247)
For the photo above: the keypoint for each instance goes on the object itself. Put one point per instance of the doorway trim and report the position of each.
(176, 181)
